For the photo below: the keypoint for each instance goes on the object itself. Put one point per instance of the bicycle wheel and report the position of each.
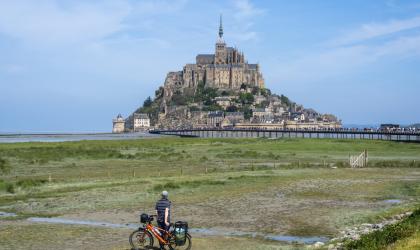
(141, 239)
(186, 246)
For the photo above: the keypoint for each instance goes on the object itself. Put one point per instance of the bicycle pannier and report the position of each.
(180, 231)
(144, 218)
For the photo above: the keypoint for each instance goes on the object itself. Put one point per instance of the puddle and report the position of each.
(298, 239)
(200, 231)
(393, 201)
(282, 238)
(5, 214)
(81, 222)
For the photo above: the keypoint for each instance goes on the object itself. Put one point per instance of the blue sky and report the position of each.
(74, 65)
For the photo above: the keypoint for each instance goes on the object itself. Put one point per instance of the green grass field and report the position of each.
(299, 187)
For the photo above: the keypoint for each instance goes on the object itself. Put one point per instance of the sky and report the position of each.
(72, 66)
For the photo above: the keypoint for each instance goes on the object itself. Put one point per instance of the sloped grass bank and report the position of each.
(389, 234)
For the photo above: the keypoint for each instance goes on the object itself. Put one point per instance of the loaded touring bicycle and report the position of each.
(143, 238)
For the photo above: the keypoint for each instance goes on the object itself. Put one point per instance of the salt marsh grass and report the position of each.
(275, 185)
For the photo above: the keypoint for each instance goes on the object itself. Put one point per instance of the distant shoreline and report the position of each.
(55, 133)
(62, 137)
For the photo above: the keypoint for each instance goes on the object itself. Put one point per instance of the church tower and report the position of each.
(220, 55)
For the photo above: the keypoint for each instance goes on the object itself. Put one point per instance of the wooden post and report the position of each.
(181, 170)
(49, 178)
(206, 170)
(134, 173)
(365, 158)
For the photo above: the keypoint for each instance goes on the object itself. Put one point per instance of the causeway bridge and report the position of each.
(407, 136)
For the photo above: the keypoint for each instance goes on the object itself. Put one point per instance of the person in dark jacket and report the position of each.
(163, 211)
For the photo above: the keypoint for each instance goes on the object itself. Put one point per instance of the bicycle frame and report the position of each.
(152, 229)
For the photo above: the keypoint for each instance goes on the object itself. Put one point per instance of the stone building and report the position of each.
(262, 115)
(226, 69)
(223, 101)
(235, 117)
(141, 122)
(118, 124)
(215, 118)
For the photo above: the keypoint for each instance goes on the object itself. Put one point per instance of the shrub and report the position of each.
(342, 164)
(204, 158)
(389, 234)
(28, 183)
(394, 164)
(4, 166)
(168, 185)
(10, 188)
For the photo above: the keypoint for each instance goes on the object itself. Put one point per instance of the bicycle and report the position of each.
(142, 238)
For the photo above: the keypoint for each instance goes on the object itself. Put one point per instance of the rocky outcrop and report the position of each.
(354, 233)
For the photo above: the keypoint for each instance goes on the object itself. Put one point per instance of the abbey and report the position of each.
(220, 90)
(226, 69)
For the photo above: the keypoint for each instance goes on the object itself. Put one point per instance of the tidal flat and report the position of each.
(294, 187)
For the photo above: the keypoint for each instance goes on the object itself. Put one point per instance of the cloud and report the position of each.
(340, 60)
(153, 7)
(244, 15)
(48, 22)
(375, 30)
(244, 9)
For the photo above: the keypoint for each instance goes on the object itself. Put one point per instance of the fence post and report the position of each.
(365, 158)
(49, 178)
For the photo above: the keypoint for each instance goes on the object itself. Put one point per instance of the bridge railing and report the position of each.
(349, 131)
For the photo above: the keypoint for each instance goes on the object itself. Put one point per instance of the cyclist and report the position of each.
(163, 211)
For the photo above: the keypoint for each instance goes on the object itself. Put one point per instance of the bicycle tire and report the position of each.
(186, 246)
(133, 239)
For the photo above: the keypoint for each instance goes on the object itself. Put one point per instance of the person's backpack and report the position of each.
(180, 231)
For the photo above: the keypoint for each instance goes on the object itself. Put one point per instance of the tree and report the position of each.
(159, 92)
(213, 107)
(194, 108)
(263, 104)
(246, 98)
(285, 100)
(247, 112)
(255, 90)
(232, 108)
(224, 93)
(178, 99)
(148, 102)
(265, 92)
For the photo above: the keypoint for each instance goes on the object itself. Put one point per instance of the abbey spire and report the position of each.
(220, 27)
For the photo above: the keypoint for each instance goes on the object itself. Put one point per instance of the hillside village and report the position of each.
(220, 90)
